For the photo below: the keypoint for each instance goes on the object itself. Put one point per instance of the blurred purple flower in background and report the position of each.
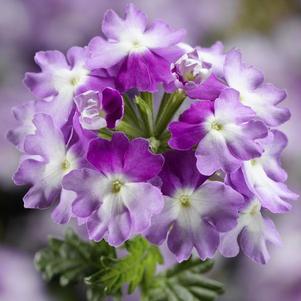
(18, 278)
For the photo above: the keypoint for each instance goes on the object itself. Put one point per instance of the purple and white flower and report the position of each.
(224, 131)
(141, 54)
(196, 211)
(196, 77)
(46, 161)
(61, 78)
(264, 176)
(115, 197)
(262, 98)
(252, 234)
(99, 109)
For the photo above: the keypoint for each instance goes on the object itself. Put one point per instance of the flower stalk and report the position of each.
(170, 104)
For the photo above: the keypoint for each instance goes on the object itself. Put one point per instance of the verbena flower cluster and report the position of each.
(96, 148)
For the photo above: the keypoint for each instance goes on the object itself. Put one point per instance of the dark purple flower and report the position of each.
(116, 198)
(99, 109)
(140, 53)
(196, 211)
(224, 132)
(252, 234)
(261, 97)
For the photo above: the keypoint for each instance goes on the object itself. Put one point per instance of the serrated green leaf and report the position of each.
(71, 259)
(138, 265)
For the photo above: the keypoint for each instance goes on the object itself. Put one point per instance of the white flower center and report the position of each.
(58, 167)
(255, 209)
(133, 40)
(65, 80)
(183, 198)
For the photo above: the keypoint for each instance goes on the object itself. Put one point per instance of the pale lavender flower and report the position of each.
(196, 211)
(262, 97)
(46, 161)
(224, 131)
(116, 198)
(215, 56)
(141, 54)
(253, 233)
(264, 176)
(280, 280)
(61, 78)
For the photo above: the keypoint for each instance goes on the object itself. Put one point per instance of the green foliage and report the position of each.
(185, 282)
(96, 264)
(137, 266)
(71, 259)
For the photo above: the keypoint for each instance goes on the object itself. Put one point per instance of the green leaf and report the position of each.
(96, 264)
(138, 266)
(185, 282)
(71, 259)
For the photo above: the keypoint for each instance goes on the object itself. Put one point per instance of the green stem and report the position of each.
(168, 108)
(130, 114)
(105, 133)
(129, 130)
(148, 97)
(163, 103)
(145, 107)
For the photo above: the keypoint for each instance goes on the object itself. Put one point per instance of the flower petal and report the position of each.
(143, 200)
